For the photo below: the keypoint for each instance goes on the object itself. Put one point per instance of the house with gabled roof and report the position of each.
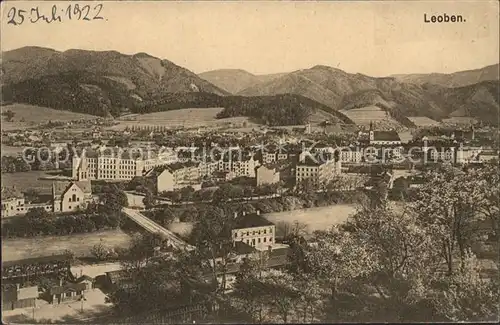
(66, 196)
(175, 176)
(71, 195)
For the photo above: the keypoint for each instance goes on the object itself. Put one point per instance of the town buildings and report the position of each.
(68, 291)
(317, 171)
(176, 176)
(266, 174)
(66, 196)
(116, 164)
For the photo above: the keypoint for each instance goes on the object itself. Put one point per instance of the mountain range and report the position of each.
(402, 96)
(235, 80)
(457, 79)
(109, 83)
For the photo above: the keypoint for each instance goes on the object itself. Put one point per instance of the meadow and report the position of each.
(186, 118)
(25, 180)
(423, 121)
(27, 116)
(320, 218)
(365, 115)
(80, 244)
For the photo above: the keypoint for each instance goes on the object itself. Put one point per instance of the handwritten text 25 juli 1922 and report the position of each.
(55, 14)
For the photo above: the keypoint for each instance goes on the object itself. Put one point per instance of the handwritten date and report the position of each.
(17, 16)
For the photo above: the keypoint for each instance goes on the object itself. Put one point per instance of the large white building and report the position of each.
(115, 164)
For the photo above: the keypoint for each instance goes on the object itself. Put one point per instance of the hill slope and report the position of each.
(343, 91)
(457, 79)
(235, 80)
(286, 109)
(98, 83)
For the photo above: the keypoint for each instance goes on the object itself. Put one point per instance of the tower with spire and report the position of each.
(371, 132)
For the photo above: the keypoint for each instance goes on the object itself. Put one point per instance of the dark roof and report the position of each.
(242, 248)
(119, 275)
(386, 136)
(251, 220)
(239, 248)
(272, 166)
(309, 161)
(67, 287)
(60, 187)
(9, 293)
(35, 260)
(171, 167)
(83, 278)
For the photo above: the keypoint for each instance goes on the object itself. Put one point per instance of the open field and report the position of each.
(459, 120)
(29, 116)
(80, 244)
(365, 115)
(321, 218)
(187, 118)
(24, 180)
(423, 121)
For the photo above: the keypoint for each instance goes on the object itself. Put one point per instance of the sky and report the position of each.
(375, 38)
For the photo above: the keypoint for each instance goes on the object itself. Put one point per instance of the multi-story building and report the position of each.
(175, 176)
(115, 164)
(351, 155)
(266, 175)
(254, 230)
(241, 164)
(317, 171)
(440, 154)
(466, 155)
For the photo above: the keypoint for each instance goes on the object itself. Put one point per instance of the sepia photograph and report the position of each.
(250, 162)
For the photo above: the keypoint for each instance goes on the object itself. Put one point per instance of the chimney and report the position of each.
(244, 213)
(236, 215)
(258, 212)
(60, 282)
(18, 286)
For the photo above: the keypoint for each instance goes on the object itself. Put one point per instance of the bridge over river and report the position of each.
(153, 227)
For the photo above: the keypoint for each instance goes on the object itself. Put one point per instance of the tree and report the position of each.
(149, 200)
(100, 252)
(9, 115)
(249, 292)
(113, 199)
(37, 214)
(282, 295)
(465, 296)
(212, 237)
(31, 195)
(448, 205)
(489, 179)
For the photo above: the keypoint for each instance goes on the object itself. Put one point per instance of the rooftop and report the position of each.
(67, 287)
(386, 136)
(251, 220)
(60, 187)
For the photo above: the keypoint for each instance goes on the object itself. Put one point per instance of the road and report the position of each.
(153, 227)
